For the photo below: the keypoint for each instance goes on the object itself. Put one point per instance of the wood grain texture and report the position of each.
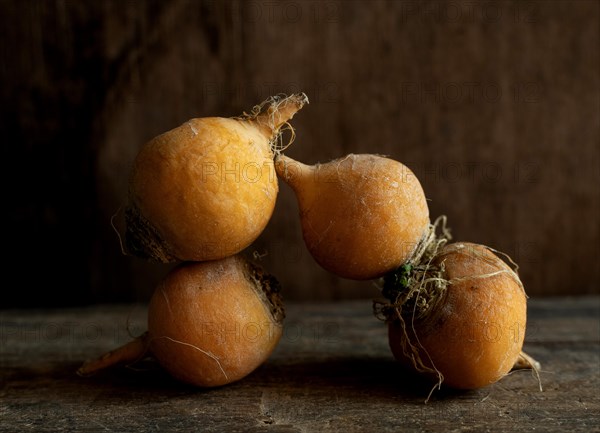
(332, 371)
(494, 106)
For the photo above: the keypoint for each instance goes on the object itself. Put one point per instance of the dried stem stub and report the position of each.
(412, 292)
(413, 289)
(142, 239)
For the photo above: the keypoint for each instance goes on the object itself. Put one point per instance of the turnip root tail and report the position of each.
(526, 362)
(127, 354)
(280, 109)
(292, 172)
(272, 115)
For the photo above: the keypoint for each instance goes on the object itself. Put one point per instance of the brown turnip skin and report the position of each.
(362, 215)
(475, 334)
(213, 323)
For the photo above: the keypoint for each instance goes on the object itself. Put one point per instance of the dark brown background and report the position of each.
(494, 105)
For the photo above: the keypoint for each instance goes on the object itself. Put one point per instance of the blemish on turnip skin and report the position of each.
(194, 130)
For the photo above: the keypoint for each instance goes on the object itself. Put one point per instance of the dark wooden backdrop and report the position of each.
(494, 105)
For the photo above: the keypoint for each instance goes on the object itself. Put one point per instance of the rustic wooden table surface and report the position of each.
(332, 371)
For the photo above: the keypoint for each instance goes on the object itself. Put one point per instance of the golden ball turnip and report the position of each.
(362, 215)
(206, 189)
(464, 320)
(209, 323)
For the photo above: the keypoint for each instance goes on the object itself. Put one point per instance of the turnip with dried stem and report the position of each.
(206, 189)
(457, 313)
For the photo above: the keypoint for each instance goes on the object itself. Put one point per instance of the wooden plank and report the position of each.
(332, 371)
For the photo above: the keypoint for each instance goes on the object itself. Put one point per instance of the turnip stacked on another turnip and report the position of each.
(201, 193)
(209, 323)
(206, 189)
(456, 311)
